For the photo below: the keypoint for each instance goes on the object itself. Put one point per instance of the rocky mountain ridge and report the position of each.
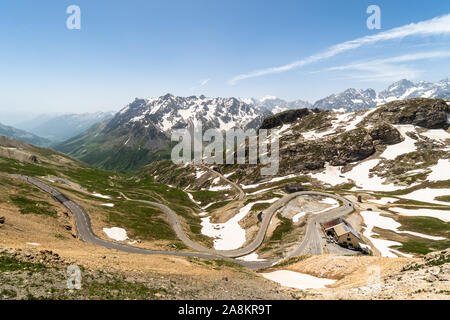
(314, 141)
(352, 99)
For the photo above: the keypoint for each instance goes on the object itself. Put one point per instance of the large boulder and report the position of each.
(384, 133)
(422, 112)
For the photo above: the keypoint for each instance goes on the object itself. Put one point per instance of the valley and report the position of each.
(383, 170)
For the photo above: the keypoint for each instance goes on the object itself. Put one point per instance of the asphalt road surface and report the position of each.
(312, 236)
(311, 243)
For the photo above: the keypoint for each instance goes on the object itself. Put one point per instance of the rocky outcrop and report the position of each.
(422, 112)
(288, 116)
(351, 146)
(44, 257)
(19, 155)
(384, 133)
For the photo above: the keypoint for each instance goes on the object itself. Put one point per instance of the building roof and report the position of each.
(340, 229)
(332, 223)
(343, 228)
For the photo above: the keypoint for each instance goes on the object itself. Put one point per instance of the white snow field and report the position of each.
(372, 219)
(439, 135)
(348, 121)
(406, 146)
(387, 223)
(427, 195)
(116, 233)
(440, 171)
(331, 175)
(297, 280)
(229, 235)
(384, 200)
(251, 257)
(443, 215)
(360, 175)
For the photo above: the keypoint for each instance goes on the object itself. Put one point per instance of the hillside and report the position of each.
(15, 133)
(121, 148)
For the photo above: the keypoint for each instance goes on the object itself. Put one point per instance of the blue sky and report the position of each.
(128, 49)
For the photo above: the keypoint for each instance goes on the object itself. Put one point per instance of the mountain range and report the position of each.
(276, 105)
(140, 132)
(353, 99)
(359, 99)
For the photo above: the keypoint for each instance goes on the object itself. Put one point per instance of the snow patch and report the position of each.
(297, 280)
(98, 195)
(406, 146)
(440, 171)
(33, 244)
(198, 174)
(116, 233)
(384, 201)
(220, 188)
(251, 257)
(427, 195)
(107, 205)
(331, 175)
(297, 217)
(229, 235)
(373, 219)
(443, 215)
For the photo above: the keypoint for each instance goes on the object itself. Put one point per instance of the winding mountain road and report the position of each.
(310, 244)
(310, 239)
(84, 228)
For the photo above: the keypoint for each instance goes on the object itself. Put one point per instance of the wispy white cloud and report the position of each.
(200, 85)
(204, 82)
(390, 69)
(435, 26)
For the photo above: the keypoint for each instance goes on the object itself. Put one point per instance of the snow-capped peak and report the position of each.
(169, 111)
(263, 99)
(352, 99)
